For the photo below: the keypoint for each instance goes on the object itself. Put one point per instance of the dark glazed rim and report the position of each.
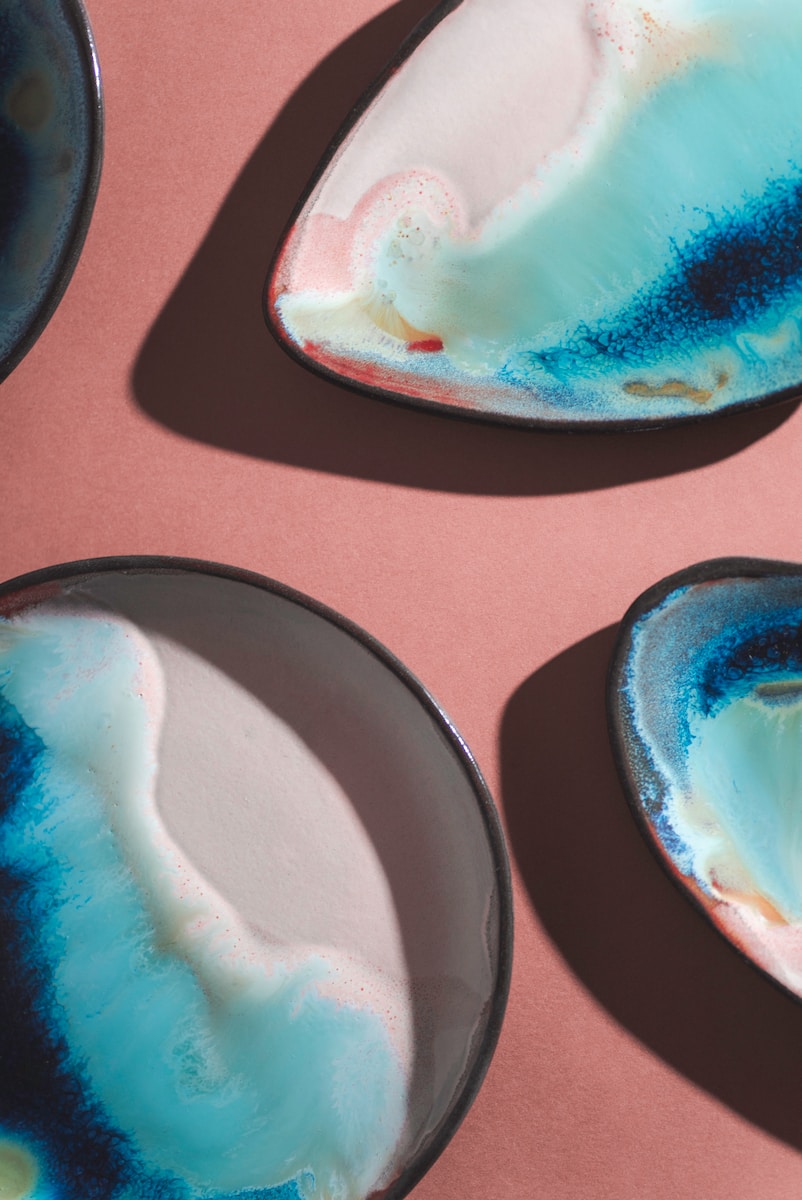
(169, 565)
(77, 16)
(612, 425)
(619, 722)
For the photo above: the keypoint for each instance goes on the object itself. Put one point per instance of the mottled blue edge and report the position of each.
(631, 756)
(23, 590)
(76, 15)
(44, 1100)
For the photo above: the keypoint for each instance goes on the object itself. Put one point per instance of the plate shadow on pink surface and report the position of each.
(623, 928)
(210, 370)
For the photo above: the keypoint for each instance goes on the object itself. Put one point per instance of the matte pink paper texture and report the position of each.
(640, 1057)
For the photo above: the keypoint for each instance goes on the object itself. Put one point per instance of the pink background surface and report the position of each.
(640, 1056)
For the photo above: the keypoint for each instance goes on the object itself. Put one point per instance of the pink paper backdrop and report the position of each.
(640, 1057)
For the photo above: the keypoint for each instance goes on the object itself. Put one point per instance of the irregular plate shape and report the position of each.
(567, 213)
(50, 155)
(253, 894)
(705, 706)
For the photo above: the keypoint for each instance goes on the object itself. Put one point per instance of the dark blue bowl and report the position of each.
(51, 133)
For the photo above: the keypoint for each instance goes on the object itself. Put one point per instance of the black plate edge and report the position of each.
(79, 19)
(169, 564)
(399, 399)
(618, 722)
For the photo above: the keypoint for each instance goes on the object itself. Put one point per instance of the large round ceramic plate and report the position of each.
(255, 903)
(563, 213)
(50, 155)
(705, 706)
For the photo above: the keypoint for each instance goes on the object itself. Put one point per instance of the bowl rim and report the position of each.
(610, 425)
(430, 1149)
(78, 18)
(620, 727)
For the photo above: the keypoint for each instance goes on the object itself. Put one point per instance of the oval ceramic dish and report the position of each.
(573, 214)
(705, 708)
(51, 130)
(254, 893)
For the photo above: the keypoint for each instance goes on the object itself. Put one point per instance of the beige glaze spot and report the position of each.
(30, 103)
(18, 1172)
(782, 690)
(674, 388)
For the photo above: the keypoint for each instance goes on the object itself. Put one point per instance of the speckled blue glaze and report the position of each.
(652, 271)
(707, 708)
(142, 1057)
(48, 103)
(742, 267)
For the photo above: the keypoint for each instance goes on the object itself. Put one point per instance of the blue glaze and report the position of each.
(747, 758)
(679, 201)
(712, 724)
(741, 267)
(143, 1060)
(15, 163)
(46, 131)
(45, 1104)
(652, 270)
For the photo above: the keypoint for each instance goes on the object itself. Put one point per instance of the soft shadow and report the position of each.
(624, 929)
(210, 370)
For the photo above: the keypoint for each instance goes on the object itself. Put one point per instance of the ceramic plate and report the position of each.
(563, 213)
(705, 706)
(254, 892)
(50, 155)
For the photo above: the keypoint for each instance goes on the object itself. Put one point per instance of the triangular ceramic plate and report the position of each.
(255, 909)
(51, 130)
(705, 707)
(562, 213)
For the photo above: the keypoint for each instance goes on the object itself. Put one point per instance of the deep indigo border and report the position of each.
(169, 565)
(611, 425)
(77, 15)
(619, 720)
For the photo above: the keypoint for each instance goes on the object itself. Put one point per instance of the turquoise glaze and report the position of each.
(161, 1052)
(744, 830)
(706, 701)
(649, 270)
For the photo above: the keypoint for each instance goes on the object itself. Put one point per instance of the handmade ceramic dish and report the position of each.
(705, 705)
(562, 213)
(51, 123)
(255, 898)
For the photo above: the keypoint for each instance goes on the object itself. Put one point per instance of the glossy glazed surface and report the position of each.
(223, 983)
(49, 157)
(639, 1058)
(707, 703)
(565, 214)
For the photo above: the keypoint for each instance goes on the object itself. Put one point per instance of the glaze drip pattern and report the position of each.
(149, 1049)
(648, 269)
(709, 719)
